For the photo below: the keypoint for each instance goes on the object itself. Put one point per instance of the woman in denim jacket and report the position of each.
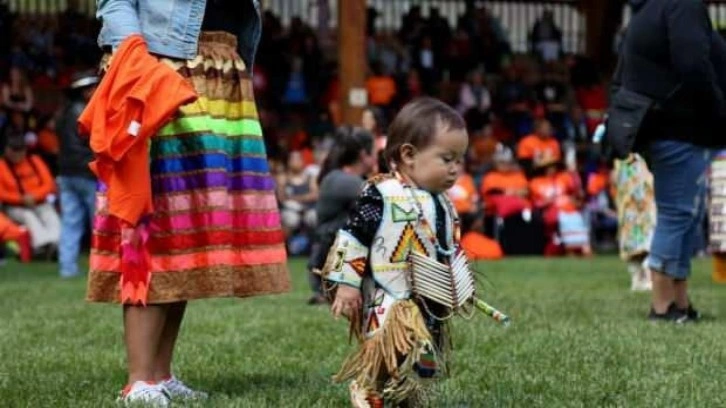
(215, 230)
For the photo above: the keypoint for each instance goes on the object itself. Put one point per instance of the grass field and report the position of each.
(578, 339)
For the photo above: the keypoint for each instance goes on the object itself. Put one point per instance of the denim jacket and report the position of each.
(171, 27)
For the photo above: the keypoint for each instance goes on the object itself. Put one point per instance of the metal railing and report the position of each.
(515, 17)
(49, 7)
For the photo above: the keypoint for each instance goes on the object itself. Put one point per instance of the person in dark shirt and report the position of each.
(668, 55)
(340, 182)
(551, 93)
(76, 182)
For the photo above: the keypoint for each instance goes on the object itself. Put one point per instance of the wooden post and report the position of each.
(603, 18)
(352, 60)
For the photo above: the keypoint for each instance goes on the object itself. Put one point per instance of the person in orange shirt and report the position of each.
(554, 192)
(27, 193)
(598, 182)
(381, 88)
(505, 186)
(463, 193)
(538, 147)
(506, 177)
(477, 245)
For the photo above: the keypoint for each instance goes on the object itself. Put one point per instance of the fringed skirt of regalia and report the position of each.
(215, 230)
(635, 202)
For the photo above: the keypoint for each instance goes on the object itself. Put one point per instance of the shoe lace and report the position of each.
(150, 393)
(176, 386)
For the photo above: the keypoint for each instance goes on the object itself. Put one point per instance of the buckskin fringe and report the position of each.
(404, 334)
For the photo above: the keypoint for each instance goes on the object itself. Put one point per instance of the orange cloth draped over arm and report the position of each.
(136, 97)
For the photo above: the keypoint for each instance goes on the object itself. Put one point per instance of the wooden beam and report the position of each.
(352, 58)
(603, 18)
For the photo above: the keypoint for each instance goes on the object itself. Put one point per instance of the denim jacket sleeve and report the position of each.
(120, 20)
(171, 27)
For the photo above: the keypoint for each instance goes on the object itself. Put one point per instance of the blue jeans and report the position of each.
(78, 203)
(680, 180)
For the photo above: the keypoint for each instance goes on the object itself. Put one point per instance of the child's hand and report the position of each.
(347, 301)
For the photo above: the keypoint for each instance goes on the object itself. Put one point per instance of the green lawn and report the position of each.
(578, 339)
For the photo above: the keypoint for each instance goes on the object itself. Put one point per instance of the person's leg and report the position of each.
(675, 167)
(691, 239)
(72, 227)
(51, 221)
(87, 193)
(663, 293)
(291, 220)
(680, 290)
(169, 334)
(143, 326)
(634, 271)
(639, 273)
(310, 219)
(27, 218)
(317, 260)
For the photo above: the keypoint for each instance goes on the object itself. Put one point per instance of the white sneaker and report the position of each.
(178, 389)
(145, 394)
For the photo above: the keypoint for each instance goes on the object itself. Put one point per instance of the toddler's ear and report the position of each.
(408, 153)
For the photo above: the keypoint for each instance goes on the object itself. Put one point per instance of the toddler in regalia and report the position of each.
(394, 264)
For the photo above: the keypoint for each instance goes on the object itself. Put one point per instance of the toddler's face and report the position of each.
(436, 167)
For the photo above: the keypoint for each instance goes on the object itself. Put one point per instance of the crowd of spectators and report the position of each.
(541, 106)
(527, 113)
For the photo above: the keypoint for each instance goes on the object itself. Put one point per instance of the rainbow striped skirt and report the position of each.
(215, 230)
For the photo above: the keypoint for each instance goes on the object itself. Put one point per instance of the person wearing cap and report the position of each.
(76, 182)
(27, 194)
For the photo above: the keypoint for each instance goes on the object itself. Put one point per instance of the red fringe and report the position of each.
(135, 264)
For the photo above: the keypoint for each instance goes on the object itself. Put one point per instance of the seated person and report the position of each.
(555, 193)
(463, 194)
(504, 189)
(27, 194)
(537, 147)
(477, 245)
(298, 192)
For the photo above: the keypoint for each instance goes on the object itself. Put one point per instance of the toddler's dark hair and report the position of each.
(417, 124)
